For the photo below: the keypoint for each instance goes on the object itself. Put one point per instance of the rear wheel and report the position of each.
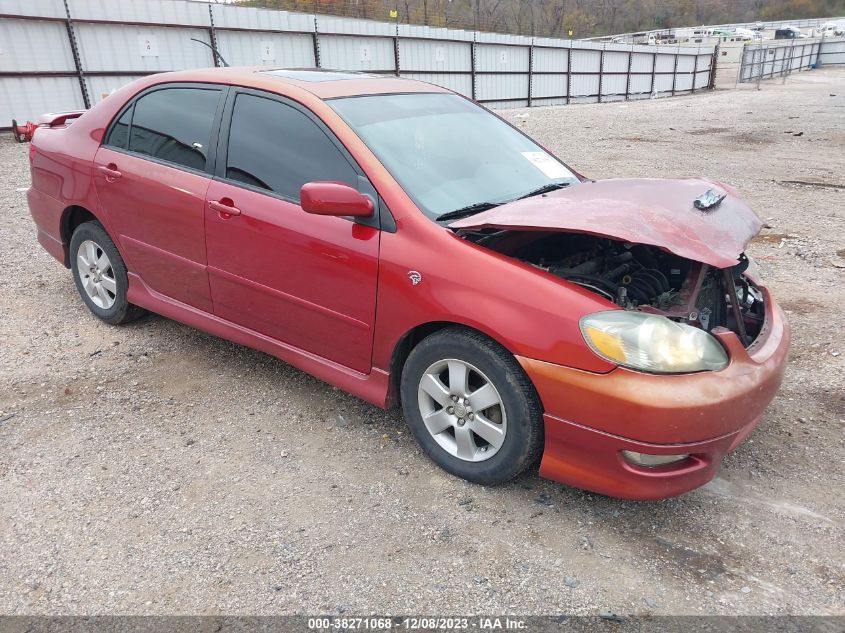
(100, 274)
(471, 406)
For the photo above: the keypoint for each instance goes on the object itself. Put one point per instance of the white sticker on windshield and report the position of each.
(546, 164)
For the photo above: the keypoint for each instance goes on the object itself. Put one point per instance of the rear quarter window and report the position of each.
(119, 133)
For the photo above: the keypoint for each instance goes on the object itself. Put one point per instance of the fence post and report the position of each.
(628, 78)
(819, 53)
(472, 64)
(74, 49)
(315, 37)
(788, 69)
(675, 71)
(212, 36)
(396, 53)
(569, 73)
(654, 75)
(695, 70)
(530, 69)
(714, 67)
(601, 70)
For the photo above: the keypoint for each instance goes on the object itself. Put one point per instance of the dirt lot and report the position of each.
(154, 469)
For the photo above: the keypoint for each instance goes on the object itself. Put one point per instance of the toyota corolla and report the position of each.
(401, 242)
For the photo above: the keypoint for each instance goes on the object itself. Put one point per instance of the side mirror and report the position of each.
(334, 198)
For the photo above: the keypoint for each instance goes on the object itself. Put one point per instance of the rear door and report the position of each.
(306, 280)
(151, 176)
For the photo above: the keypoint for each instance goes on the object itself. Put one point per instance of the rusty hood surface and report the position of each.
(654, 211)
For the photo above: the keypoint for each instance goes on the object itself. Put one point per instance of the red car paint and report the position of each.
(24, 133)
(694, 414)
(652, 211)
(218, 257)
(327, 198)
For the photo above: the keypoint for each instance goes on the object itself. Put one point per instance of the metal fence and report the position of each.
(767, 60)
(67, 54)
(832, 52)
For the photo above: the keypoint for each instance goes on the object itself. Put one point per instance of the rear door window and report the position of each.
(175, 125)
(277, 147)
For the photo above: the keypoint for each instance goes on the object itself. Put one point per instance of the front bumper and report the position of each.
(590, 418)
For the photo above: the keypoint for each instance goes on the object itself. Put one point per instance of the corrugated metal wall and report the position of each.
(767, 60)
(53, 58)
(833, 52)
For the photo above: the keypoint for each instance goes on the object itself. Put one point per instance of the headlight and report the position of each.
(652, 343)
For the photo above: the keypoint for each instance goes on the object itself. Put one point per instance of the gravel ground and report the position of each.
(155, 469)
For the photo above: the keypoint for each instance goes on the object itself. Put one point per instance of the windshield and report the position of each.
(448, 153)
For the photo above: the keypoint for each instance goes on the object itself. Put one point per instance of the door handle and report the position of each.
(110, 172)
(224, 207)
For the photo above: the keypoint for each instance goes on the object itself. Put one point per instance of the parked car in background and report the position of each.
(401, 242)
(748, 34)
(831, 29)
(788, 33)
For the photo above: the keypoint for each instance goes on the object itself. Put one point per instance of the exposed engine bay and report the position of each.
(640, 277)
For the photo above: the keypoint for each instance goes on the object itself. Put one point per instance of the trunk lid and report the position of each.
(659, 212)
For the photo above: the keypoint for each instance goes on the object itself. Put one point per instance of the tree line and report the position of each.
(564, 18)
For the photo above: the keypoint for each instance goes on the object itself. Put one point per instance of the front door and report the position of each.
(308, 281)
(151, 175)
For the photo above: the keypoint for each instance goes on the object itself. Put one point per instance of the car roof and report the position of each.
(323, 83)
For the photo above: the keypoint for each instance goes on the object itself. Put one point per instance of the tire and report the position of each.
(100, 274)
(432, 378)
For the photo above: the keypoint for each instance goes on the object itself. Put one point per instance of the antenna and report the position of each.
(213, 50)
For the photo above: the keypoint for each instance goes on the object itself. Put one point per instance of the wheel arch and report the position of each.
(76, 214)
(72, 217)
(410, 339)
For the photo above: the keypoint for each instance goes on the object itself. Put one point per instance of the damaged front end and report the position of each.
(643, 278)
(671, 248)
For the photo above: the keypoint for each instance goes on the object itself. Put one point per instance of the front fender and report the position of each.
(531, 313)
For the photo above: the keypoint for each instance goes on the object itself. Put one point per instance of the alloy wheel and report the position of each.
(96, 274)
(462, 410)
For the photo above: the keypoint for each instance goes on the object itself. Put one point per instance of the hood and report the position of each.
(659, 212)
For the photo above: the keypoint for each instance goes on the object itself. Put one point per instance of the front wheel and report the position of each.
(471, 406)
(100, 274)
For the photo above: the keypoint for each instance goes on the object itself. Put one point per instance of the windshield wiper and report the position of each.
(472, 209)
(483, 206)
(552, 186)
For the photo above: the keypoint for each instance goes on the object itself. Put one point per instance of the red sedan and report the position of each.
(404, 244)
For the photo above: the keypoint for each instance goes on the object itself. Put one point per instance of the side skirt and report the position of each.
(372, 387)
